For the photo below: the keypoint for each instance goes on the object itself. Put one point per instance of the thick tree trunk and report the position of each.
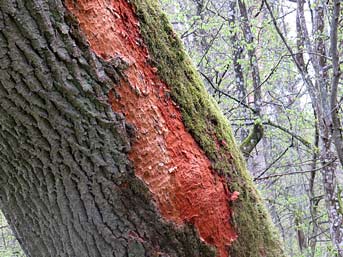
(109, 145)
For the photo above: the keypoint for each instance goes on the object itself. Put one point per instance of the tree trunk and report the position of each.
(109, 144)
(324, 103)
(332, 196)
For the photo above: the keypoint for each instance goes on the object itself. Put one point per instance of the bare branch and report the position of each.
(302, 140)
(293, 173)
(275, 161)
(302, 72)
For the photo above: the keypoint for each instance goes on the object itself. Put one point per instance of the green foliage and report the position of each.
(9, 247)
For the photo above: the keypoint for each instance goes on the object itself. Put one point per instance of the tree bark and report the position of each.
(109, 145)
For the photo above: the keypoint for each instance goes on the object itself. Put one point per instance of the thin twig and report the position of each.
(294, 173)
(275, 161)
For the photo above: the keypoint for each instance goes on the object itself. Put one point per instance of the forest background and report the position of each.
(274, 69)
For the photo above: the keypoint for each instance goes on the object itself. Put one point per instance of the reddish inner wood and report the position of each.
(165, 156)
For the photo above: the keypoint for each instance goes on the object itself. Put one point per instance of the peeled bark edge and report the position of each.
(256, 233)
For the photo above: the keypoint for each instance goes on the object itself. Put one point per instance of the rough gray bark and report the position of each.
(66, 184)
(327, 155)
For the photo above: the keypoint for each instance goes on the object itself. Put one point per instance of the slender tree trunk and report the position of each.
(237, 56)
(328, 160)
(328, 157)
(336, 122)
(253, 62)
(302, 240)
(109, 144)
(314, 199)
(325, 110)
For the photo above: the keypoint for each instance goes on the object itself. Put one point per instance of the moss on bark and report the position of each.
(202, 117)
(254, 137)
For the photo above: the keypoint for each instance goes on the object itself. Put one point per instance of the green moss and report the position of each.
(254, 137)
(340, 201)
(211, 130)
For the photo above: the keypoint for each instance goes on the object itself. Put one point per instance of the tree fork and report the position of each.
(110, 145)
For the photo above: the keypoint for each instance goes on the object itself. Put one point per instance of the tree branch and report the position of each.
(268, 122)
(275, 161)
(226, 94)
(291, 133)
(303, 74)
(293, 173)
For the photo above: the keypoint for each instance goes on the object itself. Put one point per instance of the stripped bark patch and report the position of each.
(165, 155)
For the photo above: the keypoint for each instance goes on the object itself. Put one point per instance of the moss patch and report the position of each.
(254, 137)
(203, 119)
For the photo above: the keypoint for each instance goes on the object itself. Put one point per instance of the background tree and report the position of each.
(8, 244)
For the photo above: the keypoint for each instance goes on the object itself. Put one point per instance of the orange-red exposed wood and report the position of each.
(165, 155)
